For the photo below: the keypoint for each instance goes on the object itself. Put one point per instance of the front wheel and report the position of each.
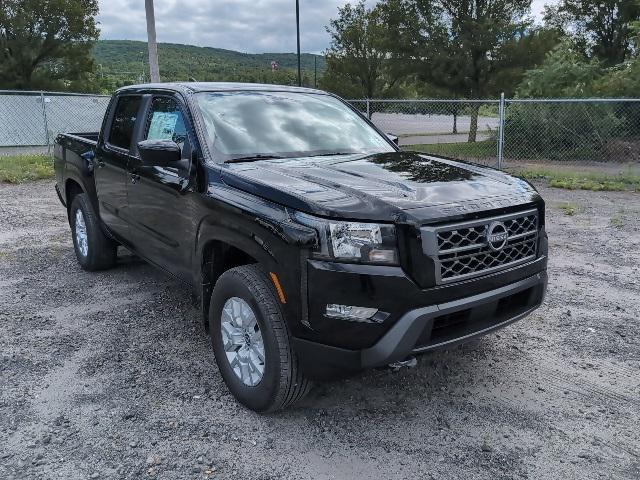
(94, 250)
(251, 341)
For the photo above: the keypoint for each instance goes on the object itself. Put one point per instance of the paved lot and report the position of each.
(110, 375)
(417, 124)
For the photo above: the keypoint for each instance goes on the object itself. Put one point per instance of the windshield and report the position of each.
(284, 124)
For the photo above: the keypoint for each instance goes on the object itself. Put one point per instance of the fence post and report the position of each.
(368, 109)
(501, 132)
(46, 124)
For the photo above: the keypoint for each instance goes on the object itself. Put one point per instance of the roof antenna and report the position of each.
(191, 79)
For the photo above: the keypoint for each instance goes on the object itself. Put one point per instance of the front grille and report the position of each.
(463, 250)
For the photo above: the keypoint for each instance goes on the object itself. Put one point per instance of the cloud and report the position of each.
(252, 26)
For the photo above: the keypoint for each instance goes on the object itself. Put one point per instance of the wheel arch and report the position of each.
(71, 188)
(220, 253)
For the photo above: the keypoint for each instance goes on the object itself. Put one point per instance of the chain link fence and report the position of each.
(30, 121)
(588, 134)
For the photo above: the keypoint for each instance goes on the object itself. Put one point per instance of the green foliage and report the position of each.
(560, 131)
(124, 62)
(600, 28)
(574, 130)
(579, 180)
(623, 80)
(564, 73)
(358, 61)
(570, 209)
(519, 54)
(618, 219)
(46, 43)
(589, 61)
(469, 48)
(22, 168)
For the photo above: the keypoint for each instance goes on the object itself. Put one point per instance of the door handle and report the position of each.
(135, 178)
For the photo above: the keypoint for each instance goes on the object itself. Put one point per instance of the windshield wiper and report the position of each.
(251, 158)
(332, 154)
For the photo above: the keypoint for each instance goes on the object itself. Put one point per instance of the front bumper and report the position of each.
(428, 328)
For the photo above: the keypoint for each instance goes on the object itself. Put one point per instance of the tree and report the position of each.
(46, 43)
(623, 80)
(564, 73)
(472, 48)
(601, 27)
(358, 60)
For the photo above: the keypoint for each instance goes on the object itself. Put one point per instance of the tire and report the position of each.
(281, 383)
(94, 250)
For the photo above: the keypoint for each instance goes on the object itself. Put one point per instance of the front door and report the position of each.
(159, 201)
(112, 162)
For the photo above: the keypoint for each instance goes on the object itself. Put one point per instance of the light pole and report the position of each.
(154, 70)
(298, 35)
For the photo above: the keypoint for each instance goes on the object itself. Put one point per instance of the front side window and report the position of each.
(166, 121)
(124, 119)
(284, 124)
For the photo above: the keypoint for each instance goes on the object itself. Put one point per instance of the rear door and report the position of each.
(112, 162)
(159, 200)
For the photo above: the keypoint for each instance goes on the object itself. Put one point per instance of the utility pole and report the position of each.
(154, 70)
(298, 34)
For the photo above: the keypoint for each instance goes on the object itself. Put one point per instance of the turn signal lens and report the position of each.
(383, 256)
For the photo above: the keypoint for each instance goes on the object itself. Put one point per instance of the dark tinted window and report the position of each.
(123, 121)
(166, 121)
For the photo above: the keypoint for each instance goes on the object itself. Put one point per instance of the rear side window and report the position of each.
(124, 120)
(166, 121)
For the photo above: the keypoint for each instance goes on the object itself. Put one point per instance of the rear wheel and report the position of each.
(251, 341)
(94, 250)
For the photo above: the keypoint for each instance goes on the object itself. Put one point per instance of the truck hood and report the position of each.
(385, 186)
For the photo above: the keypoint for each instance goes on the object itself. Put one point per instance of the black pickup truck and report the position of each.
(316, 247)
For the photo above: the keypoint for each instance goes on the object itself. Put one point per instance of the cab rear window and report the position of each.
(124, 120)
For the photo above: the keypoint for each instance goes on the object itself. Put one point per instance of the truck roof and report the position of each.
(217, 87)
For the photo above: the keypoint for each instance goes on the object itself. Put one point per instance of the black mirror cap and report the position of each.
(393, 138)
(160, 153)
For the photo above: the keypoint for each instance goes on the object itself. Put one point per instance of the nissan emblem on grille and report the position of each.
(479, 247)
(497, 236)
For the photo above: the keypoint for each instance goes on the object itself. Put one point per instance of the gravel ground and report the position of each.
(111, 375)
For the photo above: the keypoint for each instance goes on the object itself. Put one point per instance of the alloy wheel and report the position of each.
(242, 341)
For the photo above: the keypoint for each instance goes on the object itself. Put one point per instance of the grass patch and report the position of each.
(626, 181)
(618, 219)
(569, 209)
(24, 168)
(482, 149)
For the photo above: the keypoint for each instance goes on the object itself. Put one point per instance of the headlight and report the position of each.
(353, 241)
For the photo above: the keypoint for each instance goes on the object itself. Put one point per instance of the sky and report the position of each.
(253, 26)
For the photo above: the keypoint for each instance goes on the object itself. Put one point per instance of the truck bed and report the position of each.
(84, 137)
(73, 161)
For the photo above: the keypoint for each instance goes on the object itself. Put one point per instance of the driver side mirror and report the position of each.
(393, 138)
(159, 153)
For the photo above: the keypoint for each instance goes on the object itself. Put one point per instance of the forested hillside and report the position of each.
(124, 61)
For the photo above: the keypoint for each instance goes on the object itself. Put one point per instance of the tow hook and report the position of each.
(409, 362)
